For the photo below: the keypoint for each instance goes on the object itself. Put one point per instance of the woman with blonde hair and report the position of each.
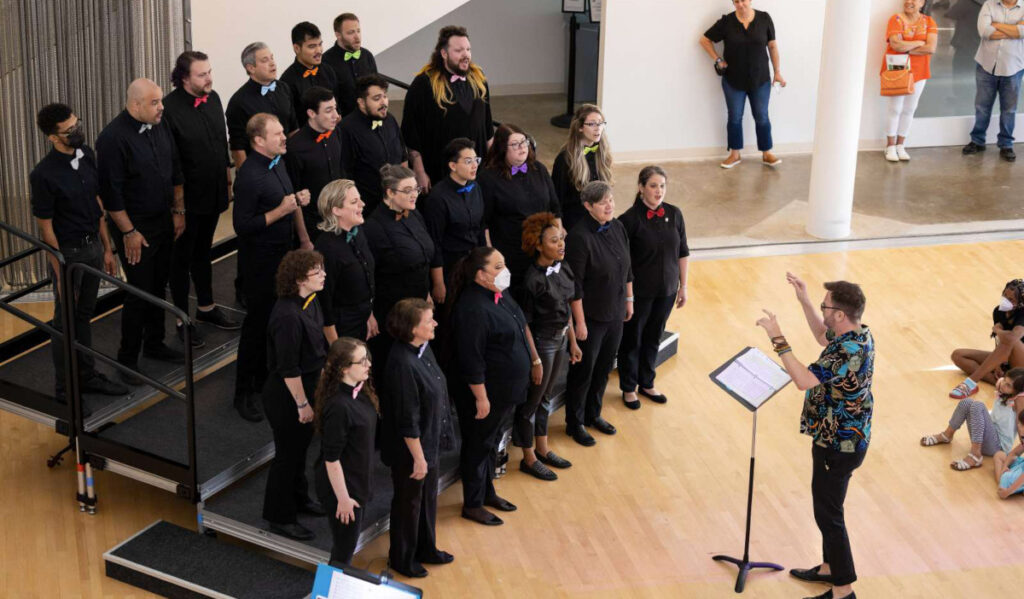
(585, 157)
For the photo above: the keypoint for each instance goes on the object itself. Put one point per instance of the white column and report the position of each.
(837, 124)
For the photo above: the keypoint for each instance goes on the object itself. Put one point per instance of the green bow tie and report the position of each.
(589, 149)
(350, 55)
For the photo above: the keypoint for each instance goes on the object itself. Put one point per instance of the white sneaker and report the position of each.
(902, 153)
(891, 155)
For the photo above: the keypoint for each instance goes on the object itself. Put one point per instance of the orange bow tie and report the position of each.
(401, 215)
(324, 135)
(310, 72)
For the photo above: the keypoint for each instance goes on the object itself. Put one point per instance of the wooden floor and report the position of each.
(641, 514)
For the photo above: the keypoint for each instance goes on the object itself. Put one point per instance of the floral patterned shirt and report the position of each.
(837, 412)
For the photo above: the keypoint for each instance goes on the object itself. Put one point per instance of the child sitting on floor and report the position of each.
(1010, 467)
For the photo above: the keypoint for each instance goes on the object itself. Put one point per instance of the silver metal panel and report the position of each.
(221, 481)
(141, 476)
(20, 410)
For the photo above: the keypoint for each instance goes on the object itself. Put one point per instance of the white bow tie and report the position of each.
(553, 269)
(145, 127)
(78, 155)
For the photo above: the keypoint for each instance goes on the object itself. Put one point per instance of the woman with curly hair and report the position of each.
(585, 157)
(1008, 331)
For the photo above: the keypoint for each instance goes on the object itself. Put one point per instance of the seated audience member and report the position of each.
(314, 152)
(295, 357)
(346, 418)
(1008, 330)
(1010, 468)
(308, 70)
(585, 157)
(349, 59)
(370, 138)
(914, 34)
(990, 433)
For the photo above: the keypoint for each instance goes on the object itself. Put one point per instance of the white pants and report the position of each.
(901, 111)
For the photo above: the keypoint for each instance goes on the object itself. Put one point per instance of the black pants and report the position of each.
(832, 472)
(192, 257)
(641, 337)
(287, 487)
(531, 417)
(480, 438)
(413, 515)
(260, 267)
(142, 323)
(584, 388)
(84, 288)
(344, 537)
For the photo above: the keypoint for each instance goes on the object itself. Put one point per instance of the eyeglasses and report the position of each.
(595, 124)
(316, 272)
(364, 362)
(824, 307)
(410, 190)
(469, 161)
(518, 145)
(74, 129)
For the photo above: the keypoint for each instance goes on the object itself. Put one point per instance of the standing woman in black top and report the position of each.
(515, 185)
(585, 157)
(295, 358)
(659, 255)
(415, 412)
(548, 287)
(598, 252)
(346, 418)
(348, 293)
(749, 39)
(493, 356)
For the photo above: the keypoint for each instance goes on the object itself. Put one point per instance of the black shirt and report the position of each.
(348, 428)
(601, 264)
(66, 195)
(295, 337)
(746, 50)
(455, 220)
(201, 138)
(546, 297)
(365, 149)
(404, 254)
(655, 246)
(568, 196)
(428, 129)
(312, 165)
(1008, 320)
(249, 100)
(258, 190)
(138, 167)
(347, 71)
(349, 283)
(294, 77)
(415, 404)
(490, 342)
(508, 202)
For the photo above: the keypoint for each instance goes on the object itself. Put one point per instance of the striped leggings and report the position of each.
(979, 425)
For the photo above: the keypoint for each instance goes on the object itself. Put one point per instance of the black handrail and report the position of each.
(394, 81)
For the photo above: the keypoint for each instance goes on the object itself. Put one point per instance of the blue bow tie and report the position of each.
(553, 269)
(466, 189)
(351, 234)
(268, 88)
(423, 348)
(604, 227)
(274, 162)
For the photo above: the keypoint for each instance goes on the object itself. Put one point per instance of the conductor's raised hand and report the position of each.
(770, 324)
(798, 285)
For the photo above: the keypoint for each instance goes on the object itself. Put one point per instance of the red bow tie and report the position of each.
(324, 135)
(200, 100)
(659, 213)
(310, 72)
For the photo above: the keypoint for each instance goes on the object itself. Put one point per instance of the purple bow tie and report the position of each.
(518, 169)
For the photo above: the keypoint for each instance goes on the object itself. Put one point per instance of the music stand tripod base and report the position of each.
(745, 566)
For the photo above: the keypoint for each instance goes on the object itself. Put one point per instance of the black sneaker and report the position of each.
(1007, 154)
(195, 336)
(218, 318)
(972, 148)
(164, 354)
(99, 383)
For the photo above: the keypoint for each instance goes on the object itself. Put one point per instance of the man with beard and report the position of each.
(65, 202)
(349, 59)
(370, 138)
(837, 410)
(261, 93)
(308, 70)
(449, 98)
(195, 117)
(314, 153)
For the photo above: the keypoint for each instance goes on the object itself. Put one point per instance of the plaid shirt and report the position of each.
(837, 412)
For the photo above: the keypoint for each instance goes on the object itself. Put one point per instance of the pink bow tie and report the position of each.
(457, 78)
(356, 390)
(497, 296)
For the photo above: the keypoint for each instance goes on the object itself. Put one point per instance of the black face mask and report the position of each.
(75, 137)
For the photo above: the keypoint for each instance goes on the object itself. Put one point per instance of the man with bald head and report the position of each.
(138, 174)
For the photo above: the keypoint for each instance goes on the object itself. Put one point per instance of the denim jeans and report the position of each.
(988, 86)
(734, 101)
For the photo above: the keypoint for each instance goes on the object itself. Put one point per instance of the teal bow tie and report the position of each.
(349, 236)
(350, 55)
(274, 162)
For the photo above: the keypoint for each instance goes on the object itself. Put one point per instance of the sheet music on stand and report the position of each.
(751, 377)
(346, 582)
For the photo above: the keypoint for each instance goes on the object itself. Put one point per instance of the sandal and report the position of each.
(962, 391)
(931, 440)
(961, 465)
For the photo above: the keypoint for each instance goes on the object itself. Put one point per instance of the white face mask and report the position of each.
(503, 279)
(1005, 305)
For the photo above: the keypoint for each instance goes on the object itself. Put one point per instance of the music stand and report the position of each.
(751, 378)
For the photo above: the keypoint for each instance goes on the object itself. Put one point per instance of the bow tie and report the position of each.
(309, 300)
(455, 78)
(78, 156)
(604, 227)
(356, 390)
(468, 188)
(145, 127)
(590, 149)
(553, 269)
(497, 296)
(324, 135)
(274, 162)
(350, 235)
(400, 215)
(518, 169)
(200, 100)
(375, 124)
(310, 72)
(423, 348)
(660, 212)
(268, 88)
(350, 55)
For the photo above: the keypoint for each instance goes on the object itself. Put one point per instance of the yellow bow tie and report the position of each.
(589, 149)
(376, 124)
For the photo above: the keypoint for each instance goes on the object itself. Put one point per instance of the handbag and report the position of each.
(897, 79)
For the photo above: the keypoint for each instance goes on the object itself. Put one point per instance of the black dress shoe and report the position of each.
(656, 398)
(292, 531)
(439, 558)
(554, 460)
(500, 503)
(972, 148)
(632, 405)
(313, 508)
(810, 575)
(218, 318)
(603, 425)
(164, 354)
(246, 406)
(130, 378)
(830, 595)
(194, 335)
(537, 470)
(479, 514)
(581, 436)
(1007, 154)
(104, 386)
(417, 572)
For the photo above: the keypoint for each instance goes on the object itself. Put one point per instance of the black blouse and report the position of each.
(295, 337)
(347, 72)
(599, 256)
(201, 138)
(746, 50)
(312, 165)
(348, 429)
(67, 195)
(546, 297)
(491, 346)
(568, 196)
(259, 188)
(349, 286)
(139, 167)
(657, 240)
(365, 149)
(404, 254)
(455, 219)
(250, 99)
(415, 405)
